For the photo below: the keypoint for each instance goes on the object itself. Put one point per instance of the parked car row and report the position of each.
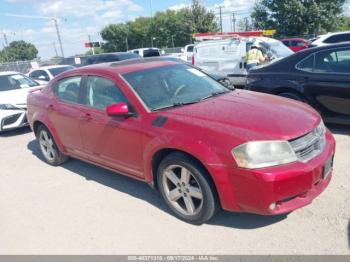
(138, 117)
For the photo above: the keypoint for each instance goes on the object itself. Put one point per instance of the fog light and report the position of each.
(272, 206)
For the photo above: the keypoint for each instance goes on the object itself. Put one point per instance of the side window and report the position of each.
(67, 90)
(306, 64)
(101, 92)
(333, 61)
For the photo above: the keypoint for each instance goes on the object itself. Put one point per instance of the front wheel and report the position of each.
(186, 188)
(48, 147)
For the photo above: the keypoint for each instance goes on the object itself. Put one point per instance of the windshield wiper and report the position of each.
(217, 93)
(176, 104)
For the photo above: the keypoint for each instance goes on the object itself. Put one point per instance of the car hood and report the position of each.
(17, 97)
(250, 116)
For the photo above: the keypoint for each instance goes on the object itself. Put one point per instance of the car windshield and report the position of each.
(173, 85)
(58, 70)
(15, 81)
(276, 49)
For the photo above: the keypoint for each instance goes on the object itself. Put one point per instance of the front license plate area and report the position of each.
(327, 168)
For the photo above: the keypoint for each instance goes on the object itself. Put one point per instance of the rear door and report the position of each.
(64, 111)
(114, 142)
(329, 83)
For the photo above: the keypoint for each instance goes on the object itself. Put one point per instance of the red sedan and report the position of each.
(203, 146)
(296, 44)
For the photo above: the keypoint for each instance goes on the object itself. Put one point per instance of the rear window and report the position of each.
(337, 38)
(150, 53)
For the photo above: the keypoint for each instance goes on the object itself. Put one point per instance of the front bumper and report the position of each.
(12, 119)
(277, 190)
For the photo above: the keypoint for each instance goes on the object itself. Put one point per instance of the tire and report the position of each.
(293, 96)
(48, 147)
(190, 194)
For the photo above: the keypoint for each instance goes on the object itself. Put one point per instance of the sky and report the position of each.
(29, 20)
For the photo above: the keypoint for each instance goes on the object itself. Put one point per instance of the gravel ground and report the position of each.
(82, 209)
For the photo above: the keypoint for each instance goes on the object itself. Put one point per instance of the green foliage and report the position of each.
(298, 17)
(166, 29)
(17, 51)
(345, 25)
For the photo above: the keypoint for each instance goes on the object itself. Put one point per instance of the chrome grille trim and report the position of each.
(310, 145)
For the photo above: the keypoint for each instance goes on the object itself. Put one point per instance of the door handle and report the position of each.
(86, 117)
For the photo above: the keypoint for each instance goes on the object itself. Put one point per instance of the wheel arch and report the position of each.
(39, 120)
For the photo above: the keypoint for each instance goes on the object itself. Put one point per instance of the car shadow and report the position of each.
(142, 191)
(339, 129)
(15, 132)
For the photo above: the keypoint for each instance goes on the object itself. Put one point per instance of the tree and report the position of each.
(98, 50)
(17, 51)
(298, 17)
(166, 29)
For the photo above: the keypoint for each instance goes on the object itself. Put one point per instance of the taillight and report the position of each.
(192, 59)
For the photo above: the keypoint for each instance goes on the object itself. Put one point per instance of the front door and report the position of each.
(111, 141)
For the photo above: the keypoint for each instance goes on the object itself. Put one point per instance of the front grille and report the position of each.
(11, 119)
(310, 145)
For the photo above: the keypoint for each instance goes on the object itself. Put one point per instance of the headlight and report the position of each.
(261, 154)
(7, 107)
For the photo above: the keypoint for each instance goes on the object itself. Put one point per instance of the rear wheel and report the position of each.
(48, 147)
(186, 188)
(293, 96)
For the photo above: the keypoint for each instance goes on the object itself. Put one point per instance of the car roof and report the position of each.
(49, 67)
(123, 67)
(9, 73)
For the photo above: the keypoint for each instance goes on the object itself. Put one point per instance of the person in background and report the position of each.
(254, 57)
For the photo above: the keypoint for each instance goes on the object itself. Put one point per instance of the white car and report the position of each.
(146, 52)
(14, 88)
(44, 74)
(331, 38)
(187, 53)
(226, 57)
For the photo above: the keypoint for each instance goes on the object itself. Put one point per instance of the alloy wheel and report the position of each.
(182, 190)
(47, 145)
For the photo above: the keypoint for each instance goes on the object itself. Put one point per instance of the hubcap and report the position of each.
(47, 145)
(182, 190)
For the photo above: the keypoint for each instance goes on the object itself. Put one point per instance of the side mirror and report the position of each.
(119, 109)
(182, 50)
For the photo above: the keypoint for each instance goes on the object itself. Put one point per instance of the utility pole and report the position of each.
(54, 19)
(234, 21)
(92, 45)
(220, 7)
(246, 23)
(58, 35)
(127, 43)
(5, 38)
(172, 40)
(54, 47)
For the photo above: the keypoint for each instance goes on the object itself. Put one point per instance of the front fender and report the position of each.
(203, 152)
